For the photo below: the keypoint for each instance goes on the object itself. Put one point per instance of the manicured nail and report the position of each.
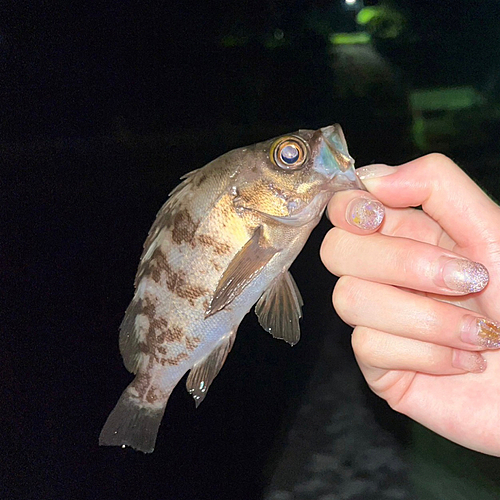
(468, 361)
(465, 276)
(372, 171)
(481, 331)
(365, 213)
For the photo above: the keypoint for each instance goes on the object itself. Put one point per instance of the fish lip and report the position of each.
(337, 165)
(334, 138)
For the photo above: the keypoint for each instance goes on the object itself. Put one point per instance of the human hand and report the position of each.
(418, 299)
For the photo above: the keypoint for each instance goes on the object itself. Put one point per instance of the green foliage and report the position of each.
(381, 21)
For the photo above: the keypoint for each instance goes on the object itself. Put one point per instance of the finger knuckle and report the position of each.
(408, 261)
(437, 165)
(329, 249)
(346, 297)
(437, 158)
(363, 344)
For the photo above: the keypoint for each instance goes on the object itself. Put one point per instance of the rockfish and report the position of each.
(222, 242)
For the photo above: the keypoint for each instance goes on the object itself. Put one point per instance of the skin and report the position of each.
(413, 355)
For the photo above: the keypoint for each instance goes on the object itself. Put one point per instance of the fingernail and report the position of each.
(468, 361)
(481, 331)
(365, 213)
(462, 275)
(372, 171)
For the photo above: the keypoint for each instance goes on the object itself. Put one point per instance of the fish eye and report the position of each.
(289, 153)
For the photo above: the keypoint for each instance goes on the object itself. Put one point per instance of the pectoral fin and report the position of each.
(242, 270)
(203, 373)
(280, 308)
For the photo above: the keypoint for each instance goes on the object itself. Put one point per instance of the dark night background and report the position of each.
(103, 106)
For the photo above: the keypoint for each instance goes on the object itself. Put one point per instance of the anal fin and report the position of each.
(280, 308)
(203, 373)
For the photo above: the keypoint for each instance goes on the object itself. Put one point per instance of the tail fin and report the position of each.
(130, 424)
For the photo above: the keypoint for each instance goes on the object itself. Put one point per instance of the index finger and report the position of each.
(445, 192)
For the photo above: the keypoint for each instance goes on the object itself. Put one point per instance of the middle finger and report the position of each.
(402, 262)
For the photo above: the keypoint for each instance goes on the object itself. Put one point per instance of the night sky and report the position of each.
(102, 108)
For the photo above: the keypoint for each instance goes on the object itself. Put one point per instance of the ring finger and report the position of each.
(405, 314)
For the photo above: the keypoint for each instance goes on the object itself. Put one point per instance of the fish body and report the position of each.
(222, 242)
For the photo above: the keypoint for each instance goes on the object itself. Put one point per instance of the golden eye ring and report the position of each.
(289, 153)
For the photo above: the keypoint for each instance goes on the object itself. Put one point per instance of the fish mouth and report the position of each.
(333, 160)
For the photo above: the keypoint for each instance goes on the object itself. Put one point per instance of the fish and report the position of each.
(222, 243)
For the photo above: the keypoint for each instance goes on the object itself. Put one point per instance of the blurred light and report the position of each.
(357, 38)
(353, 5)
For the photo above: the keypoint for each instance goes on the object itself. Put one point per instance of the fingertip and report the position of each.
(468, 361)
(365, 213)
(375, 171)
(356, 211)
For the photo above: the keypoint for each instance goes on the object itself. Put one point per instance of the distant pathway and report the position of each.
(335, 449)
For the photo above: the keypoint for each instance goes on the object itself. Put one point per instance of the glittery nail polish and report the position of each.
(365, 213)
(468, 361)
(462, 275)
(481, 332)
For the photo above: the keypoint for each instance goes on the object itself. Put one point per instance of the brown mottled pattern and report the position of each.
(143, 384)
(192, 342)
(184, 227)
(142, 381)
(200, 179)
(209, 241)
(176, 281)
(144, 348)
(159, 332)
(172, 361)
(152, 395)
(148, 308)
(153, 267)
(171, 334)
(217, 266)
(191, 293)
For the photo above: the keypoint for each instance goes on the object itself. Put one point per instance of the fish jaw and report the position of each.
(333, 161)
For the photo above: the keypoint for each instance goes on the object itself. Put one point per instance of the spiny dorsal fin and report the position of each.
(280, 308)
(203, 373)
(242, 270)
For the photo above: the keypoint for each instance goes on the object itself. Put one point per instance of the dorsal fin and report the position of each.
(203, 373)
(129, 339)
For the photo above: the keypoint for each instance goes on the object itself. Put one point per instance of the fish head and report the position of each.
(291, 178)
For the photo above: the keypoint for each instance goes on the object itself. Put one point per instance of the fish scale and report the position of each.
(222, 242)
